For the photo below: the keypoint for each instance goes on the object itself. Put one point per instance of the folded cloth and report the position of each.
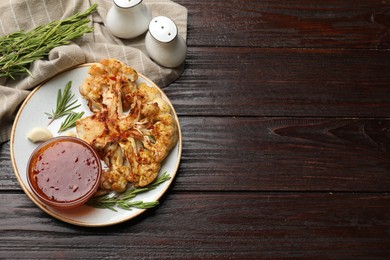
(100, 44)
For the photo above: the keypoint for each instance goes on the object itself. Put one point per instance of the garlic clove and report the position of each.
(39, 134)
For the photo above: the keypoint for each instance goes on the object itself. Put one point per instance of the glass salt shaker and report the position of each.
(164, 44)
(128, 18)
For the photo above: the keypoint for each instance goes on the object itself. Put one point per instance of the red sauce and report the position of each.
(64, 170)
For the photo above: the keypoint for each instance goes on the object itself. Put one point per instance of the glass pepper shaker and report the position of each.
(128, 18)
(164, 44)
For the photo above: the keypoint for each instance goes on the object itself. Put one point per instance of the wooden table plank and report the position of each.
(284, 109)
(7, 177)
(224, 225)
(286, 154)
(295, 24)
(283, 82)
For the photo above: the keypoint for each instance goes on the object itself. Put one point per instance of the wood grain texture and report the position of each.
(7, 176)
(284, 107)
(283, 82)
(225, 225)
(293, 24)
(286, 154)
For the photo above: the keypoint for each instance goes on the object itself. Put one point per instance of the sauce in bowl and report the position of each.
(64, 172)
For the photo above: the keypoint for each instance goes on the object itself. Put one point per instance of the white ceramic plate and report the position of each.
(32, 114)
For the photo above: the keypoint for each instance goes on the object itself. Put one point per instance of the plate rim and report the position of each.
(47, 209)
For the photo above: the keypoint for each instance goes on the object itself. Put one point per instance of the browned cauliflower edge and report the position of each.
(132, 127)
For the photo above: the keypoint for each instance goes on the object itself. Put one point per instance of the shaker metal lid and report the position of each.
(127, 3)
(163, 29)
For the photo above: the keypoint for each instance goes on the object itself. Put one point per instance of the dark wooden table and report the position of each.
(284, 107)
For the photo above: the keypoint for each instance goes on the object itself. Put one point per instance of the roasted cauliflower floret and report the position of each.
(132, 128)
(147, 93)
(102, 77)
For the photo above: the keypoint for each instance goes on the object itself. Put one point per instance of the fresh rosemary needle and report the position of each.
(64, 105)
(70, 121)
(19, 49)
(124, 200)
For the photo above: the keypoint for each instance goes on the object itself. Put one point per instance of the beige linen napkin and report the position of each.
(25, 15)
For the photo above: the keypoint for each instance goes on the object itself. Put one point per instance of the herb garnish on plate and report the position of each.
(64, 106)
(124, 200)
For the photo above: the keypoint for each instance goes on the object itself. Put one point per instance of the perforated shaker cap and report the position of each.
(163, 29)
(127, 3)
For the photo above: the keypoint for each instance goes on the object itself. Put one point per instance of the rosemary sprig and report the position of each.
(19, 49)
(64, 104)
(70, 121)
(137, 204)
(124, 200)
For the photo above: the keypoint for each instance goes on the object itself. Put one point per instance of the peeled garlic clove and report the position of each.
(39, 134)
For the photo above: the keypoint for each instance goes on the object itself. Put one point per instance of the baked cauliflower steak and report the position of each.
(131, 128)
